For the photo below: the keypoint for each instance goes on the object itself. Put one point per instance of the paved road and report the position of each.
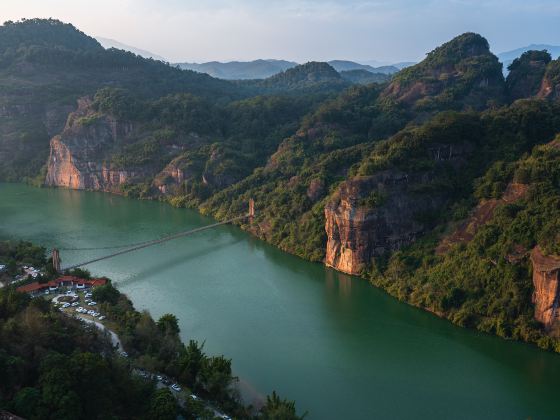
(114, 337)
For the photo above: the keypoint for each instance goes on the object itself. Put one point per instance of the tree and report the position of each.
(216, 377)
(169, 324)
(107, 293)
(163, 406)
(278, 409)
(190, 363)
(26, 402)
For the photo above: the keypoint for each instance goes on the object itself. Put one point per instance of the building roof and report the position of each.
(33, 287)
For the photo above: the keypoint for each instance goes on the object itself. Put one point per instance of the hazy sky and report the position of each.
(384, 30)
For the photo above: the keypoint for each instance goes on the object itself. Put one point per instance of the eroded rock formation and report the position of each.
(369, 216)
(550, 87)
(76, 155)
(546, 280)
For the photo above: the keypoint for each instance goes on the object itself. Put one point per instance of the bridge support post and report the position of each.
(56, 260)
(251, 209)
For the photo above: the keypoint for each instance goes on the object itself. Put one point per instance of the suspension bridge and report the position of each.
(145, 244)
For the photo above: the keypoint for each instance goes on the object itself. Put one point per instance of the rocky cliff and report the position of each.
(77, 154)
(550, 87)
(526, 74)
(546, 280)
(370, 216)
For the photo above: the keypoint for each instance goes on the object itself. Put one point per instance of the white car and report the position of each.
(90, 312)
(102, 317)
(65, 305)
(75, 303)
(176, 387)
(92, 303)
(88, 295)
(194, 397)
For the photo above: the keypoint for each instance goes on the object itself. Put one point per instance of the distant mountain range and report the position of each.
(240, 70)
(262, 69)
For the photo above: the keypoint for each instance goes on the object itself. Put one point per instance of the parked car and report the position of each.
(176, 387)
(102, 317)
(124, 354)
(75, 303)
(92, 303)
(194, 397)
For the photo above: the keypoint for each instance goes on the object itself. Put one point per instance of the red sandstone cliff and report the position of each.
(546, 280)
(550, 86)
(369, 216)
(76, 155)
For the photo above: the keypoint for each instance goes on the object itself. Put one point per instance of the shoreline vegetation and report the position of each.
(436, 142)
(53, 365)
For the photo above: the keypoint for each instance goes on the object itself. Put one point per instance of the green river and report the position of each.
(339, 347)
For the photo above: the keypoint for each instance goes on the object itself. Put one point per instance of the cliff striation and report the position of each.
(526, 74)
(76, 157)
(370, 216)
(550, 87)
(546, 280)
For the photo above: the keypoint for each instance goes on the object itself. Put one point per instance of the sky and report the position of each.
(305, 30)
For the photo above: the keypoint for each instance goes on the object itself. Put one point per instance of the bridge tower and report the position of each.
(251, 209)
(56, 260)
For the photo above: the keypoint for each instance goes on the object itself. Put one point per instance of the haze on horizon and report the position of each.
(360, 30)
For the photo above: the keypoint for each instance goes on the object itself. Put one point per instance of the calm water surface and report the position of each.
(339, 347)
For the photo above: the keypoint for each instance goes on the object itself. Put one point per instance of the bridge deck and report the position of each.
(157, 241)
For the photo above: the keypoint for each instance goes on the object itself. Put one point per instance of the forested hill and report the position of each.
(369, 179)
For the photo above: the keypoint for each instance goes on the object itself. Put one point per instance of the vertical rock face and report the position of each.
(526, 74)
(546, 280)
(76, 155)
(369, 216)
(173, 175)
(550, 87)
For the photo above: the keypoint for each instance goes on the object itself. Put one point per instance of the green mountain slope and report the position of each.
(371, 180)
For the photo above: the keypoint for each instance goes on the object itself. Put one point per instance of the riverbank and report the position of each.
(333, 343)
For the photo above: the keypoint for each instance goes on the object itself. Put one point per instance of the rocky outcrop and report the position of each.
(172, 177)
(550, 87)
(546, 282)
(462, 72)
(369, 216)
(483, 212)
(526, 74)
(77, 154)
